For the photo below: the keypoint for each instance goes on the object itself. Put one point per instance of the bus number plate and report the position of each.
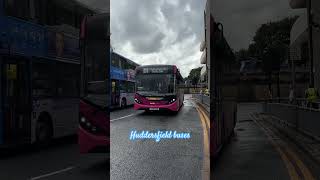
(154, 109)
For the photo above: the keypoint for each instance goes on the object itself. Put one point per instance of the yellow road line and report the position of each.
(291, 170)
(302, 167)
(207, 119)
(206, 152)
(293, 173)
(305, 171)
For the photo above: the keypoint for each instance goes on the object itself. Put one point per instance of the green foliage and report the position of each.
(194, 75)
(271, 43)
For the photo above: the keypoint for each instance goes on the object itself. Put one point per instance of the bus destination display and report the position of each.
(156, 70)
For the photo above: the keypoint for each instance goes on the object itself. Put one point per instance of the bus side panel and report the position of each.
(129, 97)
(1, 99)
(65, 116)
(1, 127)
(1, 9)
(180, 97)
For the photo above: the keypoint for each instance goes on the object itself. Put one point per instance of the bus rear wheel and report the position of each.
(43, 131)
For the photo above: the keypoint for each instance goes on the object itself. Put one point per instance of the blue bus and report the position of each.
(39, 69)
(122, 77)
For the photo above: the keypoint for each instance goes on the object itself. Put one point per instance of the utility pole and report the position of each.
(309, 12)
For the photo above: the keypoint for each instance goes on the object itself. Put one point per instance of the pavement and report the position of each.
(203, 101)
(167, 159)
(304, 144)
(59, 161)
(249, 156)
(259, 151)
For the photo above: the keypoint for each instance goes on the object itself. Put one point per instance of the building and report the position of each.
(299, 47)
(207, 43)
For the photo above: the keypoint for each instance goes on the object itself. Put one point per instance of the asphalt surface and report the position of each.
(146, 159)
(258, 151)
(141, 159)
(60, 161)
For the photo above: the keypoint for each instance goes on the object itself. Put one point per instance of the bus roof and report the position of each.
(157, 65)
(128, 60)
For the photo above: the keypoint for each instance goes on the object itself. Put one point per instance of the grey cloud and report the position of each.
(148, 25)
(180, 21)
(136, 24)
(149, 44)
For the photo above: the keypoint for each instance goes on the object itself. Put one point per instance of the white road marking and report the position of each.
(122, 117)
(53, 173)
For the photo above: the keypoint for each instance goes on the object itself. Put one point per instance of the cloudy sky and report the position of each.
(170, 31)
(158, 31)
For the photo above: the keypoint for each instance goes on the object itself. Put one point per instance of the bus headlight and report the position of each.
(88, 126)
(137, 100)
(83, 120)
(172, 101)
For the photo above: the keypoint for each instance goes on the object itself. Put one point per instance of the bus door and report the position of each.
(130, 93)
(16, 101)
(115, 93)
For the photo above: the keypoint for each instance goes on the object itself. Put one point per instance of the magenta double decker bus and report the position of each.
(94, 119)
(157, 88)
(93, 133)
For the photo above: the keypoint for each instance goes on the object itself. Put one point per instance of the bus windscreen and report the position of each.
(97, 94)
(155, 84)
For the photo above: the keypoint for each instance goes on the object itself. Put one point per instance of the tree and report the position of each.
(271, 43)
(194, 75)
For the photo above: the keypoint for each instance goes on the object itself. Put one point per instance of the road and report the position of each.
(148, 159)
(139, 159)
(60, 161)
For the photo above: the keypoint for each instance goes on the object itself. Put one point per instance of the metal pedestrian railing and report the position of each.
(299, 102)
(204, 99)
